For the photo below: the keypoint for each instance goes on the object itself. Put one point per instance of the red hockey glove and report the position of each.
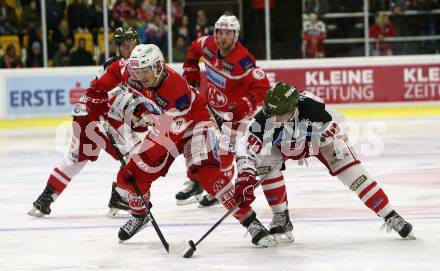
(243, 107)
(244, 189)
(141, 119)
(191, 73)
(96, 103)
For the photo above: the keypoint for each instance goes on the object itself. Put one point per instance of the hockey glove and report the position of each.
(243, 107)
(141, 119)
(244, 189)
(191, 73)
(96, 103)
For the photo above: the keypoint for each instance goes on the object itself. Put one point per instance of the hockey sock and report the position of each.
(275, 192)
(370, 193)
(61, 176)
(227, 165)
(136, 205)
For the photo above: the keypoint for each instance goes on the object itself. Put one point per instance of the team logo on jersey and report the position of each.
(208, 52)
(215, 78)
(215, 97)
(258, 74)
(228, 66)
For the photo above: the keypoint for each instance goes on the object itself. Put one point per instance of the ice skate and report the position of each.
(191, 194)
(393, 221)
(281, 227)
(134, 225)
(41, 206)
(260, 235)
(208, 201)
(119, 207)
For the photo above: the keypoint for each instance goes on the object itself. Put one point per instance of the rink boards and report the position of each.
(358, 87)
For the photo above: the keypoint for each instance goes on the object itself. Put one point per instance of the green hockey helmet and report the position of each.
(280, 99)
(123, 34)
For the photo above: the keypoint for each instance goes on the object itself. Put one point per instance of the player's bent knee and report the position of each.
(354, 177)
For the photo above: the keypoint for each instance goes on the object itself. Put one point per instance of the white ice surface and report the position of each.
(333, 229)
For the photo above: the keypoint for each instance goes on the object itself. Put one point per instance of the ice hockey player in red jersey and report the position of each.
(297, 126)
(182, 126)
(234, 88)
(83, 148)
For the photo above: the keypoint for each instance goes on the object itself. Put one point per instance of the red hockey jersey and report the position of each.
(228, 78)
(182, 106)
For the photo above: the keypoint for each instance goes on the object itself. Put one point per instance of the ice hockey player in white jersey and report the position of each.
(298, 126)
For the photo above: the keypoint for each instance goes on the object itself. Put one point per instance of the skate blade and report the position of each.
(268, 241)
(217, 203)
(118, 213)
(286, 237)
(191, 200)
(411, 236)
(35, 213)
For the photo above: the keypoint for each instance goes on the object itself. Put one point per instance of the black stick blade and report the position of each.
(190, 251)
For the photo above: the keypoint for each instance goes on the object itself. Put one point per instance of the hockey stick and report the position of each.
(192, 246)
(212, 114)
(134, 185)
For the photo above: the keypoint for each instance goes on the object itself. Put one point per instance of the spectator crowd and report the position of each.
(388, 19)
(75, 28)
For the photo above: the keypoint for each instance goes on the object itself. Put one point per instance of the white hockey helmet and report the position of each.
(146, 55)
(229, 22)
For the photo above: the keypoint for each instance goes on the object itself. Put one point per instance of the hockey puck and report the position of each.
(190, 251)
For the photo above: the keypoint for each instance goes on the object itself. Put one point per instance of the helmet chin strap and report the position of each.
(294, 114)
(157, 75)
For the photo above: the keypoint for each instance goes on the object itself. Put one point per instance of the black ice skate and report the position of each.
(118, 205)
(281, 227)
(393, 221)
(191, 194)
(260, 235)
(41, 206)
(133, 226)
(208, 201)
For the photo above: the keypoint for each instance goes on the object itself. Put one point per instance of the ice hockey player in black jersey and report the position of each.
(298, 126)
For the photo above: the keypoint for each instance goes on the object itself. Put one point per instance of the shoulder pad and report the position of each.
(247, 63)
(183, 102)
(109, 61)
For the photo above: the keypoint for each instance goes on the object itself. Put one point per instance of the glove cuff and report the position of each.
(250, 103)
